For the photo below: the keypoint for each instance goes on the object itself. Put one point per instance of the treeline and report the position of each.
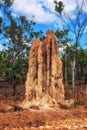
(16, 34)
(18, 69)
(81, 67)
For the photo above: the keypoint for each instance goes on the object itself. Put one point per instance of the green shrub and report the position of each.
(16, 98)
(78, 104)
(64, 106)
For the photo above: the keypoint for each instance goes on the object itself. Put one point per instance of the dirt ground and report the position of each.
(16, 118)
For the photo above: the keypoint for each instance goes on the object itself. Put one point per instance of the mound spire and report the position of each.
(44, 85)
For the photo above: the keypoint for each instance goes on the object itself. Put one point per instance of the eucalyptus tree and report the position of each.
(17, 33)
(82, 65)
(63, 40)
(77, 28)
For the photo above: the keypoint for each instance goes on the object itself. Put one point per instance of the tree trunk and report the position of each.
(14, 89)
(65, 70)
(73, 73)
(14, 85)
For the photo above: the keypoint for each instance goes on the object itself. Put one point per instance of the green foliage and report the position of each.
(63, 40)
(67, 57)
(63, 106)
(81, 65)
(62, 36)
(16, 98)
(76, 27)
(17, 33)
(0, 20)
(66, 68)
(78, 104)
(59, 6)
(8, 2)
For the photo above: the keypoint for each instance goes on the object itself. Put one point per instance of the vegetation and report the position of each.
(63, 106)
(18, 33)
(77, 28)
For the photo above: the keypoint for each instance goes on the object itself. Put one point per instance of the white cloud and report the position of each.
(70, 5)
(43, 11)
(1, 47)
(60, 49)
(14, 14)
(1, 13)
(36, 8)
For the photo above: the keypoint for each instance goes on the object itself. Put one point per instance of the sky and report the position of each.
(43, 12)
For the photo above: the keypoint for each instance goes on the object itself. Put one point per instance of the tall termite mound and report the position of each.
(44, 85)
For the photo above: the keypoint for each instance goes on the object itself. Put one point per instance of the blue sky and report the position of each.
(43, 12)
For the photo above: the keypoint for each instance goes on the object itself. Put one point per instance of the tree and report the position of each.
(3, 63)
(62, 37)
(59, 6)
(76, 27)
(81, 65)
(17, 33)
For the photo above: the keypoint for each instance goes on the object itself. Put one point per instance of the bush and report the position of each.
(78, 104)
(16, 98)
(64, 106)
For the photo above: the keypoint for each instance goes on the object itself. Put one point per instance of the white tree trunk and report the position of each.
(73, 72)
